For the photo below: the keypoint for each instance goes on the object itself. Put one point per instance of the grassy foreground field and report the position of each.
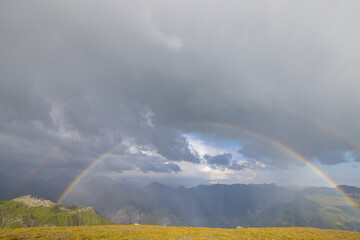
(160, 232)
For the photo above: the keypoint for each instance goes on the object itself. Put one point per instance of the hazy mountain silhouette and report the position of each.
(218, 205)
(254, 205)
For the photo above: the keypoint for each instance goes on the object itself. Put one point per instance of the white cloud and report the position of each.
(170, 41)
(203, 148)
(147, 115)
(63, 129)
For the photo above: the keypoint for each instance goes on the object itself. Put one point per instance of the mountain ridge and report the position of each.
(215, 205)
(218, 205)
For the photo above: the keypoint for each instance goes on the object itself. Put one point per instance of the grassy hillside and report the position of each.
(337, 211)
(158, 232)
(28, 211)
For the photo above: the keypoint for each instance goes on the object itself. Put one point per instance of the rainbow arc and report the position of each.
(270, 140)
(85, 171)
(291, 152)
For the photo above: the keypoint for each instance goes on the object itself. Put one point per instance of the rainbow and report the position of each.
(86, 170)
(337, 135)
(323, 127)
(33, 171)
(290, 151)
(276, 143)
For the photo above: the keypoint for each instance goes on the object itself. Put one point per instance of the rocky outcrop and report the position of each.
(34, 202)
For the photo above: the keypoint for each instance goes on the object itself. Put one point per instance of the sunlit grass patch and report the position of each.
(160, 232)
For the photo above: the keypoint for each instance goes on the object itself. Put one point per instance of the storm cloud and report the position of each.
(221, 159)
(86, 75)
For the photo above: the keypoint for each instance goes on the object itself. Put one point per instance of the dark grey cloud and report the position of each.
(333, 158)
(220, 159)
(237, 167)
(225, 161)
(172, 145)
(144, 163)
(86, 76)
(160, 167)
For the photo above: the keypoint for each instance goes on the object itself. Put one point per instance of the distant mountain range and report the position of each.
(28, 211)
(218, 205)
(229, 206)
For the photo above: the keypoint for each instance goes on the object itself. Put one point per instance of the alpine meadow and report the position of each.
(176, 119)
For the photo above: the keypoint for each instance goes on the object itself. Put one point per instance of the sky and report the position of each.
(193, 92)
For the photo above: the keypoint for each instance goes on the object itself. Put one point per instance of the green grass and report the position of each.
(160, 232)
(328, 200)
(15, 214)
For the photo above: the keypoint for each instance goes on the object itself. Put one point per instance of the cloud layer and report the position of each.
(84, 76)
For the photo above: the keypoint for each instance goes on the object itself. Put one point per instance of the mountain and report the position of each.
(217, 205)
(353, 192)
(228, 206)
(28, 211)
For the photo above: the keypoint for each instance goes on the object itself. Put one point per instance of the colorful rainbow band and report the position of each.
(83, 172)
(324, 128)
(287, 149)
(280, 145)
(33, 171)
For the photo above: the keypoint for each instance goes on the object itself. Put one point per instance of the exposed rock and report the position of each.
(83, 209)
(34, 212)
(34, 202)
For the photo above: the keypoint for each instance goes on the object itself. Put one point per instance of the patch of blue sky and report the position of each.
(223, 145)
(342, 173)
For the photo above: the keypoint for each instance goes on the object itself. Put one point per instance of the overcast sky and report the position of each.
(196, 91)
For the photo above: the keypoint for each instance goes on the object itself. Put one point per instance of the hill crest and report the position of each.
(29, 211)
(34, 201)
